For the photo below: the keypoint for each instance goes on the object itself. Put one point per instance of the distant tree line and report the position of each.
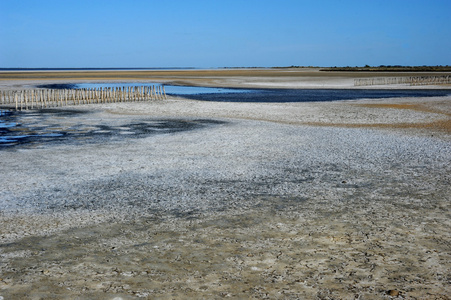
(390, 68)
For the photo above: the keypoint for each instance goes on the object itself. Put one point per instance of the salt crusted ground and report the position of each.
(308, 200)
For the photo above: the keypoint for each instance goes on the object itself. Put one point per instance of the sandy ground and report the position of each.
(337, 200)
(311, 78)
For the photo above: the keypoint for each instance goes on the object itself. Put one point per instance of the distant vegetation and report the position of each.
(384, 68)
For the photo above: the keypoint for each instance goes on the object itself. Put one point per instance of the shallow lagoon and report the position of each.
(15, 128)
(275, 95)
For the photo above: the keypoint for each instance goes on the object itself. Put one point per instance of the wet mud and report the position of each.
(42, 127)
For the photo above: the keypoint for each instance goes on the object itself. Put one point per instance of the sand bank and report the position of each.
(249, 78)
(296, 200)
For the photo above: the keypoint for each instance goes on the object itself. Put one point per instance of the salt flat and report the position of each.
(273, 200)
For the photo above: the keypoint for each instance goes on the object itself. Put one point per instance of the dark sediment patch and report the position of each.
(36, 128)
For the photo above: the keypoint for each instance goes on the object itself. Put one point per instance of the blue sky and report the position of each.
(227, 33)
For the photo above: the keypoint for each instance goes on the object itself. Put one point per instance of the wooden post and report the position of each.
(44, 98)
(15, 100)
(25, 96)
(32, 98)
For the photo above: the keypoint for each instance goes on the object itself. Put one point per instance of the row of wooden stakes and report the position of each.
(44, 98)
(412, 80)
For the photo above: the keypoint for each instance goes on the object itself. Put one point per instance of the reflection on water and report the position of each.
(170, 89)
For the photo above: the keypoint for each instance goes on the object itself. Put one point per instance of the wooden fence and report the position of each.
(43, 98)
(412, 80)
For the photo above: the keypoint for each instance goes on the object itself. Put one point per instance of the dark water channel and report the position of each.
(269, 95)
(311, 95)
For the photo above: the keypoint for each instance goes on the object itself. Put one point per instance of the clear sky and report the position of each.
(223, 33)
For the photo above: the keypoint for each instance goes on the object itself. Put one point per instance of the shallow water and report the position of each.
(269, 95)
(312, 95)
(170, 89)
